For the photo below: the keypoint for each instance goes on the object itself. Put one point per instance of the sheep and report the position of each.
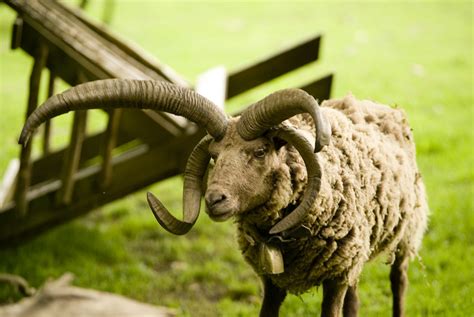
(305, 215)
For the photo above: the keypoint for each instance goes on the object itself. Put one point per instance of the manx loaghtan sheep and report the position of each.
(305, 215)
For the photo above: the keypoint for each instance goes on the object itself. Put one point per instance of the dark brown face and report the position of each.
(241, 175)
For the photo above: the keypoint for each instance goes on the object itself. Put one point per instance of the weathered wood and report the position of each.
(133, 170)
(73, 43)
(46, 167)
(320, 88)
(72, 158)
(131, 49)
(111, 135)
(24, 174)
(7, 187)
(17, 32)
(273, 66)
(47, 124)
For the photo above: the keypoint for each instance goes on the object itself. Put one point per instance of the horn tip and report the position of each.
(149, 195)
(24, 138)
(154, 202)
(275, 230)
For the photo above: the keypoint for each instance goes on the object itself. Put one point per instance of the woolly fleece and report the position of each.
(372, 199)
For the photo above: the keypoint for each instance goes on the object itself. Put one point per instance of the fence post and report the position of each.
(24, 173)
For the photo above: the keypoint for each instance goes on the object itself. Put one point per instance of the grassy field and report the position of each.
(417, 56)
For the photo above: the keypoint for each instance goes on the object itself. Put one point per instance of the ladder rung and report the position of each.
(111, 135)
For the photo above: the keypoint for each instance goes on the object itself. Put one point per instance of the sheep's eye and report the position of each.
(213, 158)
(259, 153)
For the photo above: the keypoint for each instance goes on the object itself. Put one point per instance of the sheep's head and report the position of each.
(241, 173)
(240, 147)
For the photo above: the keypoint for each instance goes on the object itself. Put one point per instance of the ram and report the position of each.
(305, 214)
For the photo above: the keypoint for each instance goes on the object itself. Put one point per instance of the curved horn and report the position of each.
(193, 174)
(129, 93)
(305, 149)
(279, 106)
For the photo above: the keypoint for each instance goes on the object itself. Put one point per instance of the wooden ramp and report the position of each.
(88, 173)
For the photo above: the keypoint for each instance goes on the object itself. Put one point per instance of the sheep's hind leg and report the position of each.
(273, 297)
(333, 298)
(351, 302)
(399, 284)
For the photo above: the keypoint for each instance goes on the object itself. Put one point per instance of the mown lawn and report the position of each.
(417, 56)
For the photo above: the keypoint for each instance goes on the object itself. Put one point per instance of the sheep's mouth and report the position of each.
(220, 217)
(220, 212)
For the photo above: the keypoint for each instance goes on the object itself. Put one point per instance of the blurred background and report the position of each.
(413, 55)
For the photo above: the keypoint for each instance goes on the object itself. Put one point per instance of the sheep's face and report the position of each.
(241, 174)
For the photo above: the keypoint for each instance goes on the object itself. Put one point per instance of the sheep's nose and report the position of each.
(214, 197)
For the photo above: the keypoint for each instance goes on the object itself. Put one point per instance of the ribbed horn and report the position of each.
(305, 149)
(279, 106)
(192, 192)
(129, 93)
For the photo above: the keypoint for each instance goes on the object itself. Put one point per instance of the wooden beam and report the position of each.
(132, 124)
(111, 136)
(130, 48)
(320, 89)
(47, 124)
(173, 124)
(17, 32)
(273, 66)
(46, 167)
(133, 170)
(7, 187)
(24, 173)
(72, 158)
(74, 43)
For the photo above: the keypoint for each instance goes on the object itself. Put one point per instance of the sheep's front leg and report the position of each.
(351, 302)
(333, 298)
(273, 297)
(399, 284)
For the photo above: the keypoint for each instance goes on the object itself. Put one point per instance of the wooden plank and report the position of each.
(273, 66)
(79, 42)
(140, 167)
(132, 124)
(72, 158)
(212, 84)
(17, 32)
(320, 89)
(111, 135)
(24, 173)
(133, 50)
(149, 120)
(73, 43)
(47, 124)
(46, 167)
(7, 187)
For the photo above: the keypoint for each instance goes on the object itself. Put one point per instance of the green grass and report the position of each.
(414, 55)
